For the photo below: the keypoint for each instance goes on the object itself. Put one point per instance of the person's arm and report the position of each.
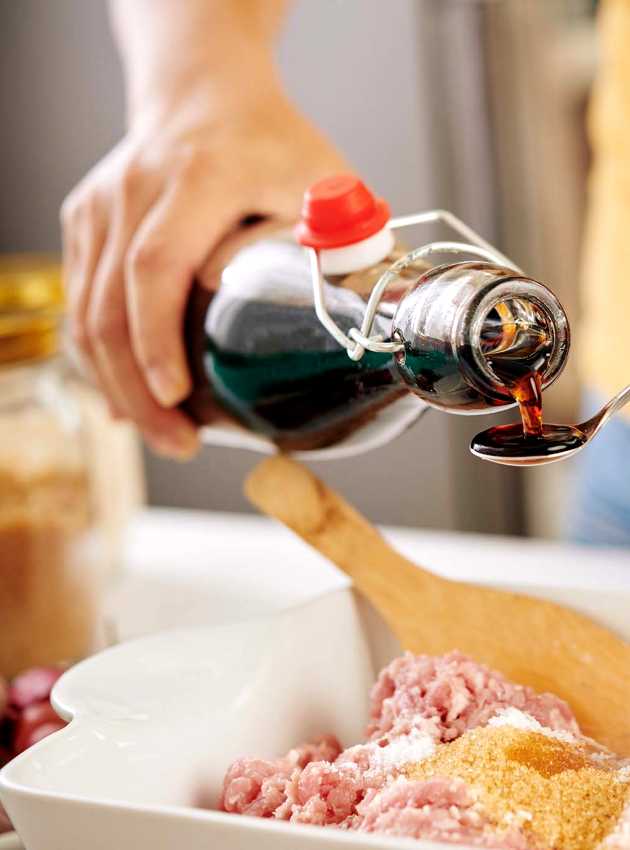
(211, 140)
(170, 46)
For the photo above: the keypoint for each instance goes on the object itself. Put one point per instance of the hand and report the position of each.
(161, 209)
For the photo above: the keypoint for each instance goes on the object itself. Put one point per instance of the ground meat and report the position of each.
(438, 810)
(259, 787)
(451, 694)
(325, 793)
(417, 703)
(317, 783)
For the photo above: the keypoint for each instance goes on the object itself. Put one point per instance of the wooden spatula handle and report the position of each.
(532, 641)
(290, 493)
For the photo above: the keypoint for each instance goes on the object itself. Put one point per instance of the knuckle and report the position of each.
(145, 259)
(79, 335)
(194, 163)
(105, 328)
(78, 206)
(90, 206)
(130, 181)
(150, 361)
(69, 210)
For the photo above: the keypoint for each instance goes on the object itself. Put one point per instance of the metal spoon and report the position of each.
(506, 444)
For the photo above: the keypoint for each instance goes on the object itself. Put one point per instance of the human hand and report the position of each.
(161, 209)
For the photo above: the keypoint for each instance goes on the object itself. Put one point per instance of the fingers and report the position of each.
(97, 228)
(169, 247)
(84, 230)
(167, 431)
(147, 220)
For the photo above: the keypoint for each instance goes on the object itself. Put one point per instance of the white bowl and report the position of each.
(157, 720)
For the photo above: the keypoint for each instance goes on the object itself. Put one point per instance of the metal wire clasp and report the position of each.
(359, 340)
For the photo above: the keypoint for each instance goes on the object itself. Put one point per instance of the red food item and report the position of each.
(4, 696)
(5, 823)
(454, 694)
(34, 723)
(33, 685)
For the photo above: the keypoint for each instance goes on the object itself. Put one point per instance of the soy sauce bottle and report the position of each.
(284, 347)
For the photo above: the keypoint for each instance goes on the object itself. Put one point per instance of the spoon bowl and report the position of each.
(509, 446)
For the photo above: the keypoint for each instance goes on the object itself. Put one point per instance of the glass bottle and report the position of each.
(51, 546)
(338, 349)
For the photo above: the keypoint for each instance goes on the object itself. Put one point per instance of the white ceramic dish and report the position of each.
(156, 720)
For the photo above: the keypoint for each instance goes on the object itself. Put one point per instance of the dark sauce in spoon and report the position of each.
(511, 442)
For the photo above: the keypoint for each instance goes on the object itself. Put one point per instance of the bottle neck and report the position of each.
(518, 328)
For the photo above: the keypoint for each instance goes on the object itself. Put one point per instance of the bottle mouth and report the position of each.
(516, 337)
(518, 327)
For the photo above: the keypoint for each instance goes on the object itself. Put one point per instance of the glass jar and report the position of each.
(51, 543)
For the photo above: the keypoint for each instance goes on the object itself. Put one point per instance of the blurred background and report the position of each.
(478, 107)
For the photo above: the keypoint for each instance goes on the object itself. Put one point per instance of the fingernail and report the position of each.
(181, 445)
(187, 444)
(166, 386)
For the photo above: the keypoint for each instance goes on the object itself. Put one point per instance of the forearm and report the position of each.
(170, 45)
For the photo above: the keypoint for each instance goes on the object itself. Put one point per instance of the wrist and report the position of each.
(219, 81)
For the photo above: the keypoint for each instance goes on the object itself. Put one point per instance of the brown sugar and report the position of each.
(545, 755)
(560, 793)
(49, 565)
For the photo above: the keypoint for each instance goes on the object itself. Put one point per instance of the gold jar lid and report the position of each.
(31, 306)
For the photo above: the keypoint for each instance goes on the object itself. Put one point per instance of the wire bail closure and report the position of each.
(359, 340)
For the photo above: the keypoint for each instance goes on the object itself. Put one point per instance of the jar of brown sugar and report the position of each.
(51, 544)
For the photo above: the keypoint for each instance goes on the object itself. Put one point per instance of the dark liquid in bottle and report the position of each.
(277, 371)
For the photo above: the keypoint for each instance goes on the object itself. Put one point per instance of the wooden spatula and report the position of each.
(531, 641)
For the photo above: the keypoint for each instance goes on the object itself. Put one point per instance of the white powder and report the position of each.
(518, 719)
(517, 818)
(405, 749)
(623, 775)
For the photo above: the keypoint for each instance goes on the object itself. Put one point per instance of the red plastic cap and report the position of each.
(340, 211)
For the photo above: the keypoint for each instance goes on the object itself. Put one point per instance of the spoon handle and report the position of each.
(592, 426)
